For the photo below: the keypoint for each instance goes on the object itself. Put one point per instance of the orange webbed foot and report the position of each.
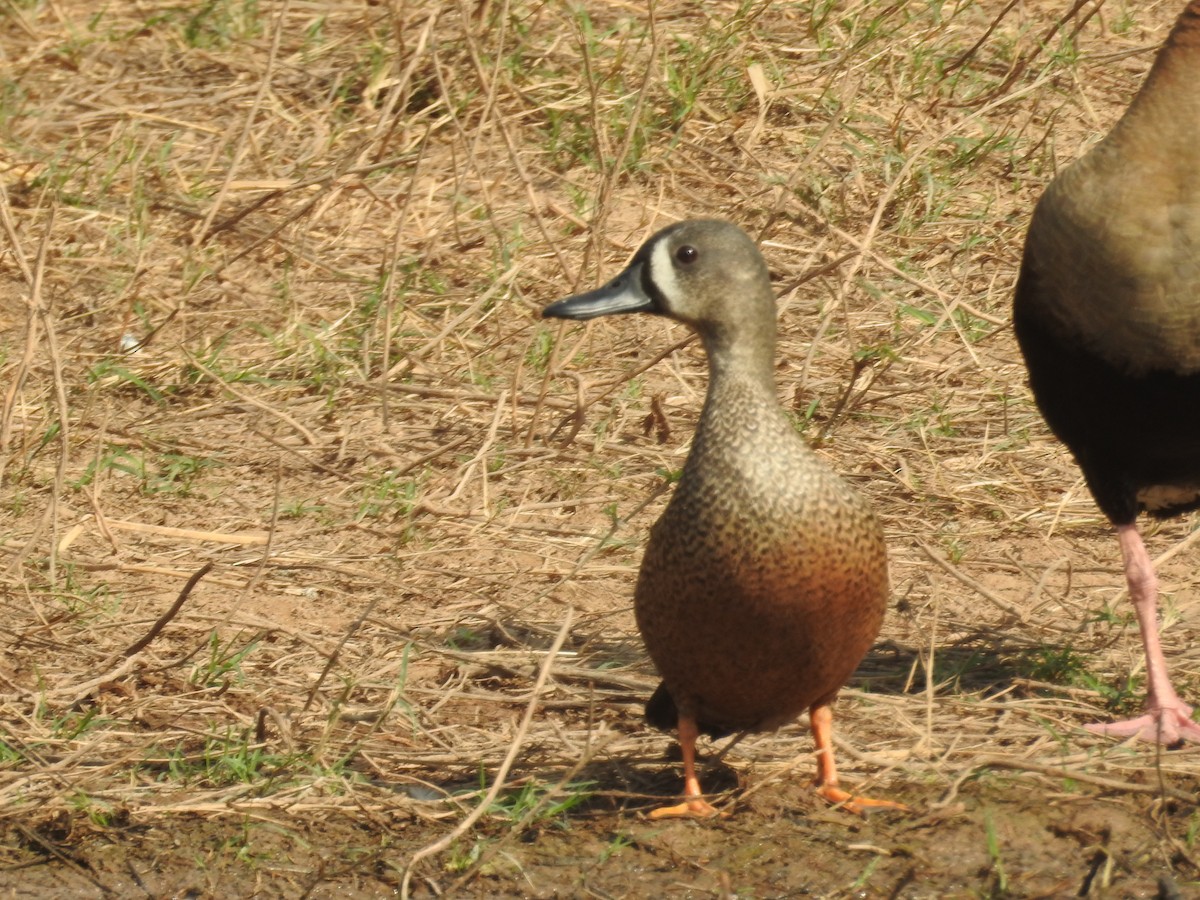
(827, 778)
(855, 804)
(692, 808)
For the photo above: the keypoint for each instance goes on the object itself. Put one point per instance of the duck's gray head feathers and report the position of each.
(705, 273)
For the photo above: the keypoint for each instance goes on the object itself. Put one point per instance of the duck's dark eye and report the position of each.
(687, 254)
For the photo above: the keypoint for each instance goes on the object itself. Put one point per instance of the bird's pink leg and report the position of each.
(1167, 719)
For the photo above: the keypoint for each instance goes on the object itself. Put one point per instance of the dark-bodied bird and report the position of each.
(765, 581)
(1107, 314)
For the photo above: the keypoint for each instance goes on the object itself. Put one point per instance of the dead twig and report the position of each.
(143, 642)
(498, 781)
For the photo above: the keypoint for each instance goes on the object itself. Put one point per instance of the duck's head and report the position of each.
(705, 273)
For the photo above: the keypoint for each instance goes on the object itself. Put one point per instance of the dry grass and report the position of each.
(271, 276)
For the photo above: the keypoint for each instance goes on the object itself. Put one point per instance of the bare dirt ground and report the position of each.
(269, 294)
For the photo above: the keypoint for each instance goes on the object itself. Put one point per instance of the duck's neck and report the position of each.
(741, 384)
(744, 357)
(1164, 117)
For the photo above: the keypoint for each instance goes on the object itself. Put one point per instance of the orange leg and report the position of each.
(821, 718)
(694, 804)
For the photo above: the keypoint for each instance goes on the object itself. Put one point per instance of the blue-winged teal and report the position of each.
(1107, 313)
(765, 581)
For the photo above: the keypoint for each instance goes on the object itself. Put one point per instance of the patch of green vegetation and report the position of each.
(99, 812)
(397, 700)
(482, 378)
(1118, 616)
(388, 496)
(536, 804)
(620, 841)
(80, 599)
(315, 355)
(571, 130)
(1123, 22)
(176, 473)
(9, 754)
(314, 34)
(717, 63)
(803, 420)
(112, 371)
(1064, 666)
(612, 131)
(955, 549)
(998, 876)
(240, 846)
(510, 249)
(1193, 830)
(232, 758)
(161, 473)
(223, 664)
(968, 152)
(949, 669)
(16, 501)
(299, 509)
(462, 857)
(13, 98)
(219, 24)
(465, 637)
(935, 421)
(971, 327)
(537, 357)
(865, 876)
(75, 723)
(1056, 665)
(924, 316)
(231, 371)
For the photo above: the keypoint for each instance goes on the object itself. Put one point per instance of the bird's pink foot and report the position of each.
(1168, 725)
(1168, 719)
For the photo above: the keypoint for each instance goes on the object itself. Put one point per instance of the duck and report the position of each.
(1106, 313)
(765, 581)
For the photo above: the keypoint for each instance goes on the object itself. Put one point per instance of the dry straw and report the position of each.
(269, 312)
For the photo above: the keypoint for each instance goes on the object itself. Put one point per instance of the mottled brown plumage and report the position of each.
(1107, 313)
(765, 581)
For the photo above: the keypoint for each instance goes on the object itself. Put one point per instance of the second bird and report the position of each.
(1107, 313)
(765, 581)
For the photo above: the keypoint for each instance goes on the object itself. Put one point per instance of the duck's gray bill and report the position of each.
(624, 294)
